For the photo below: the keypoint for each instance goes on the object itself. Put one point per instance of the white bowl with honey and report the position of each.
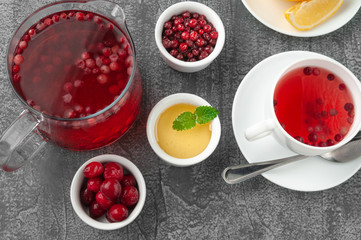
(181, 148)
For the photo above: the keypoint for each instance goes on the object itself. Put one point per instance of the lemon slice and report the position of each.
(308, 14)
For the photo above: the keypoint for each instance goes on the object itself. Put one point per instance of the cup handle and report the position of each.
(259, 130)
(20, 142)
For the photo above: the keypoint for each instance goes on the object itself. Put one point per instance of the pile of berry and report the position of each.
(108, 190)
(189, 36)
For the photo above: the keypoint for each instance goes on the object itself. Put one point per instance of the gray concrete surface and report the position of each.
(182, 203)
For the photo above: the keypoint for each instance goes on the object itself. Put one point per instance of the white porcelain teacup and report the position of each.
(271, 124)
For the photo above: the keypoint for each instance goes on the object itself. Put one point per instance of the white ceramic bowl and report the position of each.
(102, 223)
(177, 9)
(164, 104)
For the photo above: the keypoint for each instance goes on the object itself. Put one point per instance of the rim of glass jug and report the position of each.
(130, 80)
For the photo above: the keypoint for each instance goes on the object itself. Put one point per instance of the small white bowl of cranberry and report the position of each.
(108, 192)
(189, 36)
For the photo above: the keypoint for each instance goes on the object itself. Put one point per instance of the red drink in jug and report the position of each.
(78, 68)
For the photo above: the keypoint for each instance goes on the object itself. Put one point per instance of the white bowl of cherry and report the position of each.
(108, 192)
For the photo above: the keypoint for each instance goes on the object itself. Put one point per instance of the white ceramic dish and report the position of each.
(311, 174)
(271, 14)
(179, 8)
(159, 108)
(102, 223)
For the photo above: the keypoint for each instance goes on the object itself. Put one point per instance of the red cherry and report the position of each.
(16, 68)
(55, 18)
(86, 196)
(103, 201)
(102, 79)
(93, 169)
(106, 52)
(79, 16)
(94, 184)
(85, 55)
(192, 23)
(111, 188)
(97, 20)
(48, 22)
(89, 16)
(213, 34)
(68, 86)
(23, 44)
(114, 66)
(113, 170)
(18, 59)
(130, 196)
(96, 210)
(185, 35)
(128, 180)
(117, 213)
(183, 47)
(193, 36)
(105, 69)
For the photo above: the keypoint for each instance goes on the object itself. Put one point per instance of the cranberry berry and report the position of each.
(108, 190)
(96, 210)
(128, 180)
(94, 184)
(117, 213)
(103, 201)
(93, 169)
(86, 196)
(130, 196)
(113, 170)
(111, 188)
(187, 32)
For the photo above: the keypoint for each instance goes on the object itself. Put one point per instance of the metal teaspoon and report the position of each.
(243, 172)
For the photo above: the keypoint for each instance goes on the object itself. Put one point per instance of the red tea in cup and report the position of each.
(314, 106)
(73, 64)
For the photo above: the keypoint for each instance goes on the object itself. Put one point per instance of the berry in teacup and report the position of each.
(314, 106)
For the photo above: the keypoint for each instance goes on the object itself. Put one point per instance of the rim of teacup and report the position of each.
(346, 76)
(101, 223)
(164, 104)
(178, 8)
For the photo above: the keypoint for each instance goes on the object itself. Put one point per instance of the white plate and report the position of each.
(310, 174)
(271, 14)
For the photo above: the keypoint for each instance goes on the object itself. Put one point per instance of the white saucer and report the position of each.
(311, 174)
(271, 14)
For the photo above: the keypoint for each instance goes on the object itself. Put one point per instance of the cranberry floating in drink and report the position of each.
(76, 72)
(314, 106)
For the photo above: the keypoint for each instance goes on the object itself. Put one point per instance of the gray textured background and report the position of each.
(182, 203)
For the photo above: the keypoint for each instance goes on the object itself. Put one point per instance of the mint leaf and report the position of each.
(188, 120)
(185, 121)
(205, 114)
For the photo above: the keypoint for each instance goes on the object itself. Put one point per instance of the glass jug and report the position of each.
(81, 127)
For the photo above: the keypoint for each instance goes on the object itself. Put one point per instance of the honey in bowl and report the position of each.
(181, 144)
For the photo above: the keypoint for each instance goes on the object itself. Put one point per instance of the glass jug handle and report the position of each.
(20, 142)
(109, 8)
